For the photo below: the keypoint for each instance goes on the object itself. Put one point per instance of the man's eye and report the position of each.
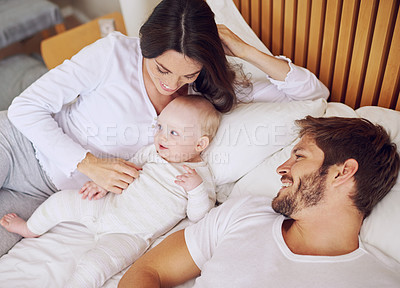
(298, 156)
(174, 133)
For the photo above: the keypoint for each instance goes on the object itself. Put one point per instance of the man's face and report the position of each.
(303, 179)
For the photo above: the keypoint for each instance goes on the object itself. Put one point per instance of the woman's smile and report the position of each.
(166, 87)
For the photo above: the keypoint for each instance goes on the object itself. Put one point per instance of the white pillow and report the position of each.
(252, 132)
(381, 228)
(340, 110)
(263, 180)
(389, 119)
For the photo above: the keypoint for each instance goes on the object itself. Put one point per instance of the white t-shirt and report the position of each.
(113, 115)
(240, 244)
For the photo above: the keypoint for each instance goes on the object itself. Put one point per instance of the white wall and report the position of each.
(135, 12)
(96, 8)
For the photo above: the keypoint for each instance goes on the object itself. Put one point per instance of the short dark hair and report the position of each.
(369, 144)
(188, 27)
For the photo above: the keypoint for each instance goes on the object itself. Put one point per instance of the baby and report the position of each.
(173, 182)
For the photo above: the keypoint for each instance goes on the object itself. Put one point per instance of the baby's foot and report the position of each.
(13, 223)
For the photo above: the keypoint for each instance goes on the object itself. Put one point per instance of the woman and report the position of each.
(123, 83)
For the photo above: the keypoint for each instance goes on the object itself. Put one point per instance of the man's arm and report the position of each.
(166, 265)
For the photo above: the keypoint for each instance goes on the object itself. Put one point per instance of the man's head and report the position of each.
(185, 128)
(361, 149)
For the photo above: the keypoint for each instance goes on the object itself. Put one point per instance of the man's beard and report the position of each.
(309, 193)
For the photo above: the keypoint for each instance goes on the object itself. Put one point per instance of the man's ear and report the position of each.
(202, 143)
(345, 171)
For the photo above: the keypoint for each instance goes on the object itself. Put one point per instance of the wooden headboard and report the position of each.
(353, 46)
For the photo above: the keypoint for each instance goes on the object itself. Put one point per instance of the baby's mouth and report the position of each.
(162, 147)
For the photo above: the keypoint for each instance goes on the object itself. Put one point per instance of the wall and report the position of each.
(86, 10)
(135, 12)
(96, 8)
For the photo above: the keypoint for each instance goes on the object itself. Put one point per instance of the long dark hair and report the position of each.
(188, 27)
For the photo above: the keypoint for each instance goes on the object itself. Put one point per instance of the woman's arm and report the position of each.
(166, 265)
(289, 81)
(32, 113)
(234, 46)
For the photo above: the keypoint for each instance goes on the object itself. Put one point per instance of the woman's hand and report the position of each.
(112, 174)
(233, 45)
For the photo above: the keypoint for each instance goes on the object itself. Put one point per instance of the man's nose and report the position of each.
(284, 168)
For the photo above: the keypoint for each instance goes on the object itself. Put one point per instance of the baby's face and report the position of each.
(177, 134)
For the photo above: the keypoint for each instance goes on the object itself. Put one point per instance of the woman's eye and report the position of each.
(298, 156)
(174, 133)
(162, 72)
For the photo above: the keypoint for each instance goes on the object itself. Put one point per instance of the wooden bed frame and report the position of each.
(353, 46)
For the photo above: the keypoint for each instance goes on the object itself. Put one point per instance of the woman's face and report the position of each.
(171, 70)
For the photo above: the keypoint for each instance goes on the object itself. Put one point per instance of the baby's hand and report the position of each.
(91, 191)
(189, 180)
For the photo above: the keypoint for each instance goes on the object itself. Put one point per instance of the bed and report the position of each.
(255, 138)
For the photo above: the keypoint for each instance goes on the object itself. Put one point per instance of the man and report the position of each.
(338, 171)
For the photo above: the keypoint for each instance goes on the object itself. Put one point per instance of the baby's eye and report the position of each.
(174, 133)
(159, 127)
